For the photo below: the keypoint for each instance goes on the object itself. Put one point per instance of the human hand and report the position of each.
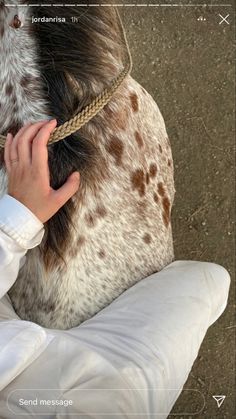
(26, 159)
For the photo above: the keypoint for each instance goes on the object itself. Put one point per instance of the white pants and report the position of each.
(130, 360)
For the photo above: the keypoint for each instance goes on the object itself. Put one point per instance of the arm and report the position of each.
(30, 201)
(20, 230)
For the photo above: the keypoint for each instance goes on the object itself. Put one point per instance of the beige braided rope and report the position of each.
(79, 120)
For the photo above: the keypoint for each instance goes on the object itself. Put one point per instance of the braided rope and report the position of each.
(79, 120)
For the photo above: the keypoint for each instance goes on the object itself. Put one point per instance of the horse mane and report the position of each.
(90, 51)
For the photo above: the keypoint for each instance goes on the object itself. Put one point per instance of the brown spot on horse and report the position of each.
(137, 180)
(160, 148)
(161, 189)
(147, 238)
(153, 170)
(116, 148)
(90, 221)
(101, 254)
(166, 208)
(134, 102)
(101, 211)
(155, 197)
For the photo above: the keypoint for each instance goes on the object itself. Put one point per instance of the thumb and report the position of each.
(70, 187)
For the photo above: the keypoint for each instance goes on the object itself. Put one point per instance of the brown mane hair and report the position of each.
(91, 52)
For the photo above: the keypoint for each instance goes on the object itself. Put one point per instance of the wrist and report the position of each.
(20, 223)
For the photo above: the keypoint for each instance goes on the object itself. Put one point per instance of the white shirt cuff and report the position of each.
(18, 222)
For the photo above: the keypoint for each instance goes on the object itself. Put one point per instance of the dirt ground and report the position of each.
(187, 65)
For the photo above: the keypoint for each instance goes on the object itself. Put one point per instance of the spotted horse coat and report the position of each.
(116, 230)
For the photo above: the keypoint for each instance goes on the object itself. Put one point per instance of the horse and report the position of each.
(116, 230)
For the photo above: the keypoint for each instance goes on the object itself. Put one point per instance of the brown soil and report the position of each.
(187, 66)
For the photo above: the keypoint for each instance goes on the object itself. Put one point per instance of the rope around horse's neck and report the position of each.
(75, 123)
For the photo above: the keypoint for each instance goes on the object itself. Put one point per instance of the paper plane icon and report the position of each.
(219, 400)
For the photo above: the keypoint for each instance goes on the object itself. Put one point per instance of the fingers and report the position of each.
(13, 149)
(30, 183)
(39, 148)
(21, 144)
(66, 191)
(24, 147)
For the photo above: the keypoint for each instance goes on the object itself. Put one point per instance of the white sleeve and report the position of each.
(20, 230)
